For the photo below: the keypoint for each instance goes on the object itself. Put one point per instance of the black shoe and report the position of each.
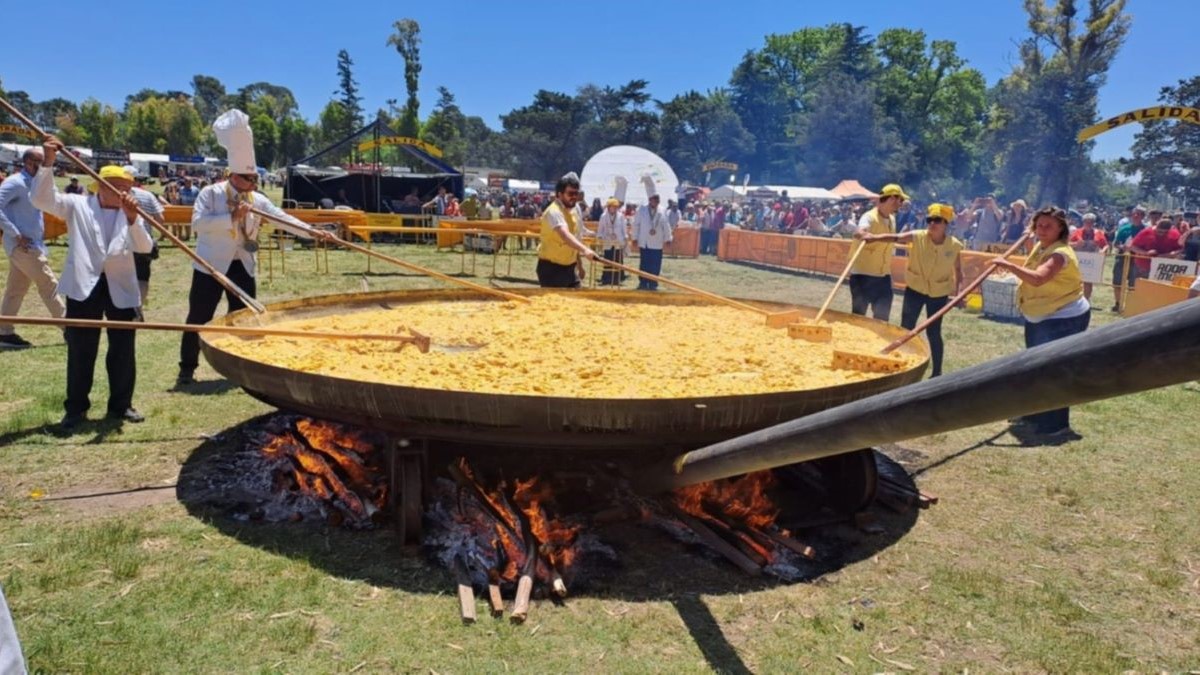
(14, 341)
(185, 378)
(130, 415)
(1115, 308)
(70, 421)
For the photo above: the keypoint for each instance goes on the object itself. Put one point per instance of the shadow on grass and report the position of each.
(101, 431)
(651, 566)
(205, 387)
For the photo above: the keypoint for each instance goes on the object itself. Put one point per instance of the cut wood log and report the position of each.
(786, 541)
(494, 598)
(714, 541)
(466, 594)
(520, 610)
(557, 584)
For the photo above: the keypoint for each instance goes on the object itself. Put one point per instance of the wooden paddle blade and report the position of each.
(868, 363)
(813, 332)
(783, 319)
(421, 341)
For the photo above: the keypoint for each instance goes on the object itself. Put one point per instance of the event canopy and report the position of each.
(599, 178)
(358, 171)
(852, 189)
(794, 192)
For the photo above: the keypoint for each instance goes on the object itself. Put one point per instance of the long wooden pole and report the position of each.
(845, 273)
(247, 299)
(957, 298)
(402, 263)
(420, 341)
(685, 287)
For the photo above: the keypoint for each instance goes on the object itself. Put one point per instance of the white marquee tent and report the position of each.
(599, 178)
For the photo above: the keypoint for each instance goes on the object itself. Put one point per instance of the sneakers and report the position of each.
(14, 341)
(130, 415)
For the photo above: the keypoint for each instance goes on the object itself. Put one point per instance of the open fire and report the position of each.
(509, 529)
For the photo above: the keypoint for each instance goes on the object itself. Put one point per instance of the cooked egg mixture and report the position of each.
(560, 345)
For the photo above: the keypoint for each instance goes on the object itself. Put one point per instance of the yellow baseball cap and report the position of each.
(612, 201)
(943, 211)
(893, 190)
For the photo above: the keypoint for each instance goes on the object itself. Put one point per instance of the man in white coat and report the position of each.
(652, 232)
(99, 280)
(227, 234)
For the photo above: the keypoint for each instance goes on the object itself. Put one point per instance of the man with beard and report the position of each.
(560, 248)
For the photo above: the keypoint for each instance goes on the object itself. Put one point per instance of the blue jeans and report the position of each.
(1037, 334)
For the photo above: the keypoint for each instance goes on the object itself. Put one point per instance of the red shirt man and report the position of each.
(1161, 241)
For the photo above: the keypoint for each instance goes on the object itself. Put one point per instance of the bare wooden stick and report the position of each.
(715, 542)
(402, 263)
(225, 281)
(494, 598)
(466, 594)
(420, 341)
(520, 610)
(845, 273)
(790, 543)
(950, 304)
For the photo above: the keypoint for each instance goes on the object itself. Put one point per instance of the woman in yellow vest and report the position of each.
(871, 276)
(1051, 300)
(559, 252)
(933, 274)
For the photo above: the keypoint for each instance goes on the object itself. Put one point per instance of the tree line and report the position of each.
(809, 107)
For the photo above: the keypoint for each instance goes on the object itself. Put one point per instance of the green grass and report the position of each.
(1084, 557)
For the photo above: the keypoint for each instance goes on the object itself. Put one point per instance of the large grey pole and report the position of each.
(1153, 350)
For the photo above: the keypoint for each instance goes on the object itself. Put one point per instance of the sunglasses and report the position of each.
(935, 220)
(248, 177)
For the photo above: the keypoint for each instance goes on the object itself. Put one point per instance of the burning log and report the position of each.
(520, 609)
(557, 584)
(715, 542)
(466, 594)
(784, 539)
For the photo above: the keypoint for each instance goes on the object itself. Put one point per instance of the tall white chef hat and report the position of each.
(648, 181)
(234, 134)
(621, 187)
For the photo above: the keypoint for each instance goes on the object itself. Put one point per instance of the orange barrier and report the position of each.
(1150, 295)
(179, 219)
(820, 254)
(447, 237)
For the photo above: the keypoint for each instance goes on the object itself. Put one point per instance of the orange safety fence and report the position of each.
(179, 219)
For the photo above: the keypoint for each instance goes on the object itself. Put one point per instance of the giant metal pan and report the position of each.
(536, 421)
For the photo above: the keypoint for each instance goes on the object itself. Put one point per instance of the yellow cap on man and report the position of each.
(943, 211)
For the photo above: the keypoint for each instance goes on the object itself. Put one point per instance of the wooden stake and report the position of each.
(466, 594)
(420, 341)
(494, 599)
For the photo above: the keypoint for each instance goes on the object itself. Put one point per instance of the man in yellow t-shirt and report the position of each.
(560, 248)
(934, 273)
(871, 276)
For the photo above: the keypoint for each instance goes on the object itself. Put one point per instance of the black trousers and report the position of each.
(874, 292)
(650, 263)
(914, 302)
(202, 305)
(553, 275)
(613, 277)
(83, 345)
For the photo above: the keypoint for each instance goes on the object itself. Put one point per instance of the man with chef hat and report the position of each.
(651, 231)
(227, 234)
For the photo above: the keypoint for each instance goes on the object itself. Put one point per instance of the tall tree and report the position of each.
(99, 123)
(445, 126)
(1051, 94)
(699, 128)
(406, 38)
(208, 95)
(543, 136)
(293, 139)
(347, 91)
(618, 116)
(266, 139)
(935, 101)
(1167, 154)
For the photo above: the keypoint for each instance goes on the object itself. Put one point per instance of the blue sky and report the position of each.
(494, 55)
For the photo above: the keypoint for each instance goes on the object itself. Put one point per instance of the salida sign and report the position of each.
(1162, 112)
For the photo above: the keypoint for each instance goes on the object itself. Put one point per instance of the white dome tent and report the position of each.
(599, 177)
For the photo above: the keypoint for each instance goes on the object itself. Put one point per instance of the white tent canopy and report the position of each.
(599, 178)
(794, 192)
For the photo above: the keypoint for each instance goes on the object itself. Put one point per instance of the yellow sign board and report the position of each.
(713, 166)
(400, 140)
(16, 130)
(1162, 112)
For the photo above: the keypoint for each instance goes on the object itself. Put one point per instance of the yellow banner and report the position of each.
(713, 166)
(1162, 112)
(400, 140)
(16, 130)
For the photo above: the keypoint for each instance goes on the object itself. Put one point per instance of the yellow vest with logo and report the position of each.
(931, 266)
(1061, 290)
(553, 248)
(876, 258)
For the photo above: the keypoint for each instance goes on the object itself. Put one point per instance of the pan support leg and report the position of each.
(407, 461)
